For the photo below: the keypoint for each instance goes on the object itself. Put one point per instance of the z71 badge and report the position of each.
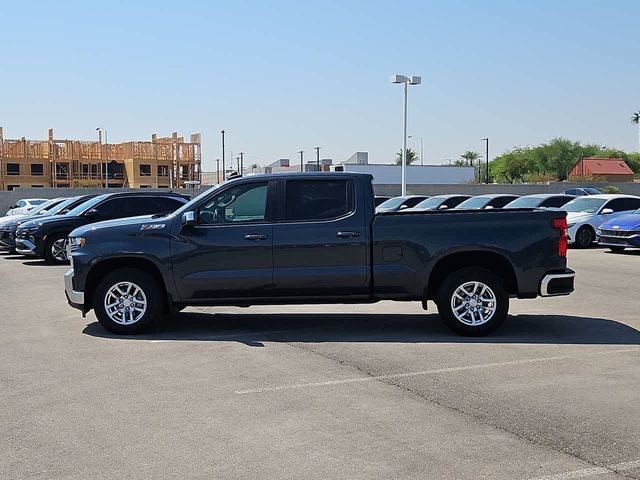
(152, 226)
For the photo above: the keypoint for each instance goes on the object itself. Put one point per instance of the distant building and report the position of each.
(391, 174)
(281, 165)
(611, 169)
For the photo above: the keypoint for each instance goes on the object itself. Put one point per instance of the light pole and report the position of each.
(106, 154)
(241, 163)
(217, 170)
(318, 157)
(224, 174)
(487, 160)
(406, 81)
(301, 152)
(421, 150)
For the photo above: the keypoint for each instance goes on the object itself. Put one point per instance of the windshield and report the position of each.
(475, 202)
(433, 202)
(392, 202)
(592, 191)
(77, 208)
(583, 204)
(525, 202)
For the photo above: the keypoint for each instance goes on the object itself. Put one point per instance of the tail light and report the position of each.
(561, 224)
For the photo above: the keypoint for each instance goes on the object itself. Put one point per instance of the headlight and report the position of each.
(76, 243)
(569, 225)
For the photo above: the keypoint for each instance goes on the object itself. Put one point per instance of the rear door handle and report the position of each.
(255, 236)
(347, 234)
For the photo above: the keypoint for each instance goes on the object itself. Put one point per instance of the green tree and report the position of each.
(559, 156)
(513, 166)
(635, 118)
(254, 167)
(411, 157)
(470, 156)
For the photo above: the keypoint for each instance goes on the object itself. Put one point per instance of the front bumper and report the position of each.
(7, 241)
(74, 297)
(25, 247)
(618, 238)
(554, 284)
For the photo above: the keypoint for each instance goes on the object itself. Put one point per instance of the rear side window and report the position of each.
(318, 199)
(555, 201)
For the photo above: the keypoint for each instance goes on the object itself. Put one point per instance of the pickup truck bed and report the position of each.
(315, 238)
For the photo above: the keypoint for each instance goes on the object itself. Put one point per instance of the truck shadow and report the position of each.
(254, 329)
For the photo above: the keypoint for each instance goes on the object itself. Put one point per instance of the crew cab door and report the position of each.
(227, 253)
(320, 239)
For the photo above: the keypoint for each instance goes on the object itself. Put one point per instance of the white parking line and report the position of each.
(591, 472)
(431, 372)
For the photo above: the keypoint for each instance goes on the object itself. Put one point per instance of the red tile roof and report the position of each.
(601, 166)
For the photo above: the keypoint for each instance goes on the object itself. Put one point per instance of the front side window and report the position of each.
(318, 199)
(115, 208)
(246, 203)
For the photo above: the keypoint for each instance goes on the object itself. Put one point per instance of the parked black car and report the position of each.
(542, 200)
(47, 237)
(481, 202)
(314, 238)
(438, 202)
(400, 203)
(58, 206)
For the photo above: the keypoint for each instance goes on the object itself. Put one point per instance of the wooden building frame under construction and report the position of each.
(163, 162)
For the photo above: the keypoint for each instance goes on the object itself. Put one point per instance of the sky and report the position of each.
(283, 76)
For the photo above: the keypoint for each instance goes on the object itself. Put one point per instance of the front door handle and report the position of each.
(347, 234)
(255, 236)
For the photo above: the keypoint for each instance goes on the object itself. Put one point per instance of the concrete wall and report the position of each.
(7, 199)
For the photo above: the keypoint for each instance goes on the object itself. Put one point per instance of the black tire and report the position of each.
(585, 236)
(457, 279)
(151, 292)
(50, 244)
(617, 249)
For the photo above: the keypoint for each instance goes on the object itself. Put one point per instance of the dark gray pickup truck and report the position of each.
(314, 238)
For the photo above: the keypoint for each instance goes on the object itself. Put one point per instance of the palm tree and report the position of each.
(411, 157)
(470, 156)
(635, 118)
(254, 166)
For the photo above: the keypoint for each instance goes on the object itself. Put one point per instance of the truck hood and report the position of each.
(133, 223)
(624, 223)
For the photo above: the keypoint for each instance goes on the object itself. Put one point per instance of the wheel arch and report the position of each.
(102, 268)
(489, 260)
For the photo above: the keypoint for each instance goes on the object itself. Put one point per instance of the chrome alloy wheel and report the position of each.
(125, 303)
(473, 303)
(59, 250)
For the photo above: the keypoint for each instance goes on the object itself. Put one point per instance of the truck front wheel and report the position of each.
(473, 301)
(127, 301)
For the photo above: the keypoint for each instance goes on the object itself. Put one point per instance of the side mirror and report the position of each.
(489, 207)
(402, 207)
(188, 218)
(93, 213)
(606, 211)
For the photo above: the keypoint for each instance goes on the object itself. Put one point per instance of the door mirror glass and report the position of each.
(93, 213)
(606, 211)
(188, 218)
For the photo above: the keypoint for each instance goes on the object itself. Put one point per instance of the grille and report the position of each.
(617, 233)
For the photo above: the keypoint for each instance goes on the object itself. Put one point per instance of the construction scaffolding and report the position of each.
(166, 162)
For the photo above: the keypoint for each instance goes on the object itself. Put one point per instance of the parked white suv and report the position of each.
(25, 205)
(586, 214)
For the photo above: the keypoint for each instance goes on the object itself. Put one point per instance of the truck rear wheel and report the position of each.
(127, 301)
(473, 301)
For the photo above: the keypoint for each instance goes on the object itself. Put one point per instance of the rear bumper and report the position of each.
(74, 297)
(554, 284)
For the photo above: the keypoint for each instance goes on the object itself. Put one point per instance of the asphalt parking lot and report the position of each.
(336, 391)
